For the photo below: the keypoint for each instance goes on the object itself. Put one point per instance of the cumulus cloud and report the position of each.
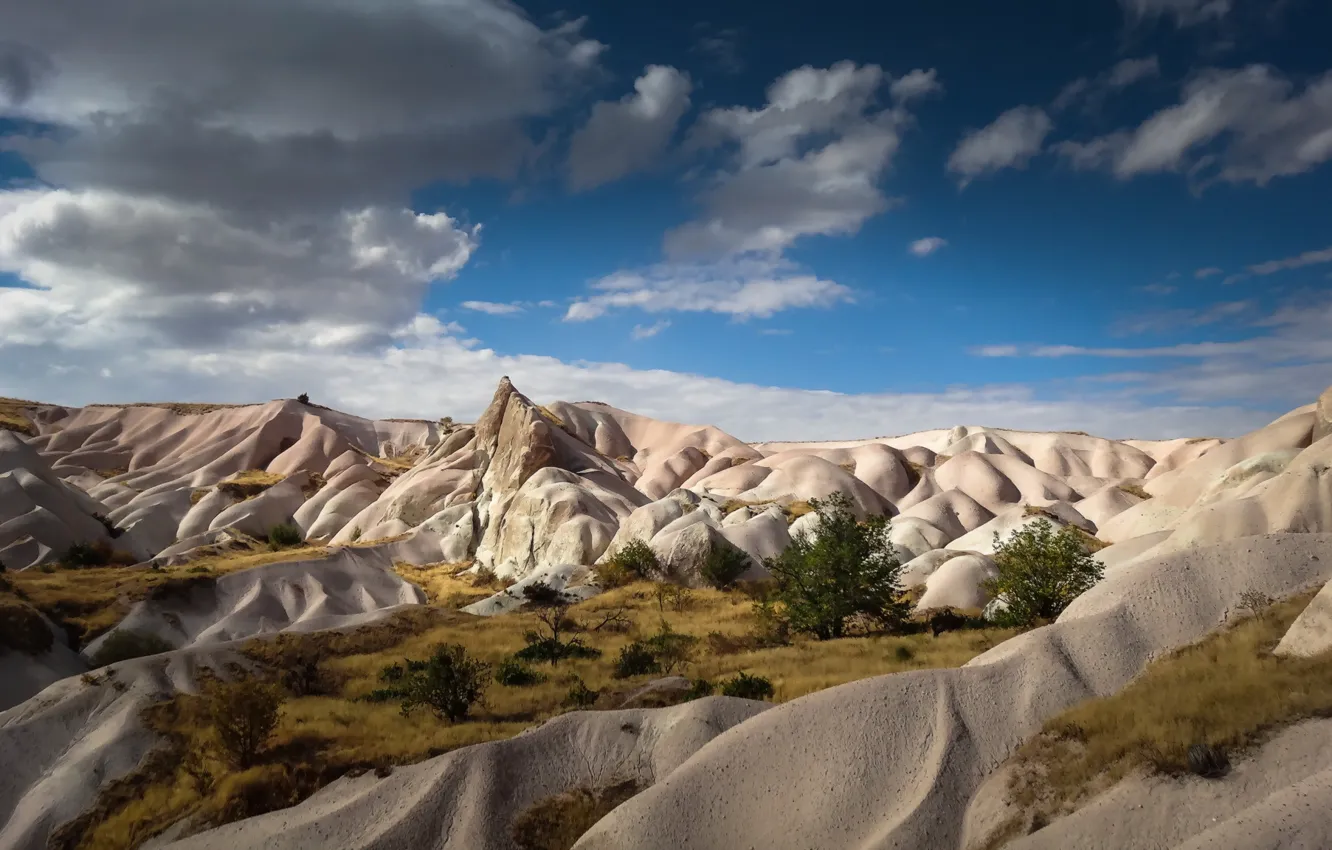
(742, 289)
(916, 84)
(807, 163)
(1248, 125)
(1092, 91)
(1010, 141)
(630, 134)
(928, 245)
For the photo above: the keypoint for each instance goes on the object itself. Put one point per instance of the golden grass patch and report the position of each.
(14, 417)
(87, 602)
(177, 407)
(1227, 691)
(249, 483)
(335, 730)
(445, 584)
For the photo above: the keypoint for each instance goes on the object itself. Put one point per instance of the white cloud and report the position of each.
(630, 134)
(1210, 271)
(807, 163)
(928, 245)
(1130, 71)
(994, 350)
(493, 308)
(1159, 289)
(1308, 258)
(649, 331)
(915, 85)
(1185, 12)
(1233, 126)
(1010, 141)
(742, 289)
(1167, 321)
(1093, 91)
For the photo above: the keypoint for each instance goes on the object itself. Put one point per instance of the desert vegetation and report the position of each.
(1040, 572)
(1190, 712)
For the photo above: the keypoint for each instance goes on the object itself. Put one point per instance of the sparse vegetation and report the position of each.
(1186, 713)
(558, 821)
(303, 398)
(746, 686)
(633, 560)
(248, 484)
(13, 416)
(124, 644)
(849, 569)
(22, 629)
(449, 683)
(284, 536)
(244, 715)
(1135, 490)
(99, 554)
(513, 673)
(1040, 571)
(724, 566)
(336, 728)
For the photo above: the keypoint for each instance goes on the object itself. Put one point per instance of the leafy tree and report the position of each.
(848, 569)
(724, 566)
(1040, 571)
(244, 715)
(633, 560)
(303, 398)
(448, 683)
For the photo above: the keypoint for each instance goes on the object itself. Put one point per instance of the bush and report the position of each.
(558, 821)
(1207, 761)
(284, 536)
(554, 651)
(848, 569)
(542, 595)
(636, 659)
(903, 653)
(771, 627)
(22, 629)
(124, 644)
(637, 559)
(448, 683)
(303, 398)
(1040, 572)
(580, 695)
(699, 688)
(87, 555)
(513, 673)
(746, 686)
(611, 575)
(244, 715)
(724, 566)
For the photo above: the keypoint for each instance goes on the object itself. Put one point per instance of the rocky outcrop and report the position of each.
(1323, 416)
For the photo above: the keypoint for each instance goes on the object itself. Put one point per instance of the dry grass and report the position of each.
(795, 510)
(14, 418)
(1135, 490)
(445, 584)
(87, 602)
(1228, 691)
(179, 408)
(334, 731)
(112, 472)
(249, 483)
(549, 414)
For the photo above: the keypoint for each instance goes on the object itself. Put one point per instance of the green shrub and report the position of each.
(284, 536)
(303, 398)
(124, 644)
(542, 595)
(580, 695)
(848, 570)
(1040, 571)
(448, 683)
(746, 686)
(87, 555)
(244, 715)
(554, 651)
(637, 559)
(513, 673)
(771, 627)
(724, 566)
(636, 659)
(699, 688)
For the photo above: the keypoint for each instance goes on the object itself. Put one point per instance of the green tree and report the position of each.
(1040, 571)
(244, 715)
(848, 569)
(449, 683)
(724, 566)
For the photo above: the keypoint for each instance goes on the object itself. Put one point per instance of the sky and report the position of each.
(840, 220)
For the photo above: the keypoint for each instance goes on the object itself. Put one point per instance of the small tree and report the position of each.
(849, 569)
(548, 641)
(1040, 571)
(724, 566)
(634, 558)
(244, 715)
(303, 398)
(448, 683)
(746, 686)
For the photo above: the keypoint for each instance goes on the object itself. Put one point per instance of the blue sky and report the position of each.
(841, 220)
